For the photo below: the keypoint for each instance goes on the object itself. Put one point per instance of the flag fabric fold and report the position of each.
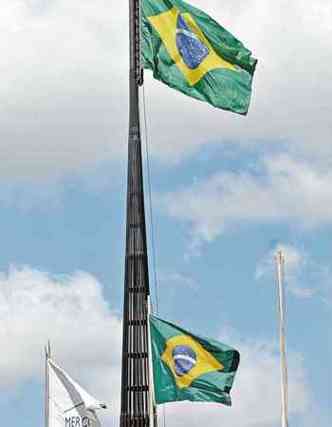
(190, 367)
(189, 51)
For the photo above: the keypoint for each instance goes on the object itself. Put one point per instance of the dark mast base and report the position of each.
(135, 382)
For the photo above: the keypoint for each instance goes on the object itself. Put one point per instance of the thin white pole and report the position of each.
(47, 384)
(280, 262)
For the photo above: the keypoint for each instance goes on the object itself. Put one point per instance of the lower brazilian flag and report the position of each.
(189, 51)
(189, 367)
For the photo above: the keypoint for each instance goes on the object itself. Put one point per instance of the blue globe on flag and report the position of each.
(184, 358)
(191, 48)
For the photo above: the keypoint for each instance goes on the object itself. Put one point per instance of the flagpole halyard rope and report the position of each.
(152, 222)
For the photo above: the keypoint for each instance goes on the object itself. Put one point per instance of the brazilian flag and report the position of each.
(190, 52)
(189, 367)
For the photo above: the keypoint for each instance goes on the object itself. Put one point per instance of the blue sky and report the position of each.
(227, 191)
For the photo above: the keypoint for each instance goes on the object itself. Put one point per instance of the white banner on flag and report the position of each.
(69, 405)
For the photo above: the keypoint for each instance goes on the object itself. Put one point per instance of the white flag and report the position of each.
(69, 404)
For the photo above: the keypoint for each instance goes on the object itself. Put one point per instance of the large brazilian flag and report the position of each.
(189, 51)
(189, 367)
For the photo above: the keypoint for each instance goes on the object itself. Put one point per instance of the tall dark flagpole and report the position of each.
(135, 382)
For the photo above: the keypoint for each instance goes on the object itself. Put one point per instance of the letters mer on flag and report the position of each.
(69, 405)
(190, 52)
(190, 367)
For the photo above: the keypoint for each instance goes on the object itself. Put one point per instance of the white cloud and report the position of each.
(175, 280)
(281, 189)
(86, 338)
(256, 391)
(70, 311)
(292, 90)
(295, 263)
(304, 277)
(64, 85)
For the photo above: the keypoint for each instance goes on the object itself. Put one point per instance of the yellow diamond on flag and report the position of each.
(187, 45)
(188, 360)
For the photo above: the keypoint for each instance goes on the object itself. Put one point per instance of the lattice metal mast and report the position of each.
(135, 383)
